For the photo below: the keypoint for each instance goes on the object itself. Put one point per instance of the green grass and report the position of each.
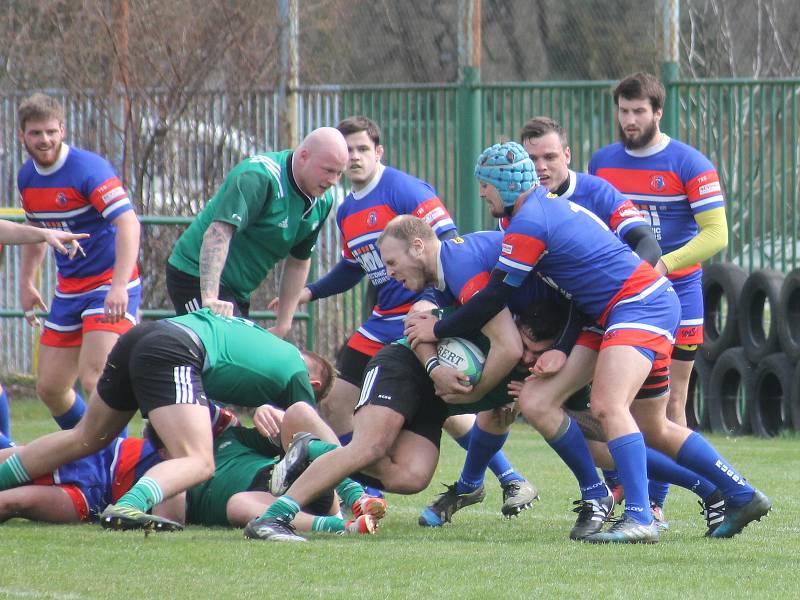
(480, 555)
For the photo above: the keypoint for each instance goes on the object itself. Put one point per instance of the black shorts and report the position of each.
(184, 292)
(350, 365)
(394, 378)
(580, 399)
(154, 364)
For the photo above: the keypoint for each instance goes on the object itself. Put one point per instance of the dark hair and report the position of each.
(324, 369)
(641, 86)
(541, 126)
(543, 320)
(38, 108)
(359, 123)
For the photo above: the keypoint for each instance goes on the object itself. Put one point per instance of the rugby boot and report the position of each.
(517, 496)
(738, 517)
(591, 516)
(292, 465)
(272, 529)
(365, 524)
(626, 531)
(123, 518)
(441, 510)
(713, 509)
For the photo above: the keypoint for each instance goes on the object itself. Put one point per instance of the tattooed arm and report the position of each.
(213, 254)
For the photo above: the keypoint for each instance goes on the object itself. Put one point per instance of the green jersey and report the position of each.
(239, 454)
(245, 364)
(272, 217)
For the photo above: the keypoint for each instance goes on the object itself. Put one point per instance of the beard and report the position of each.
(642, 140)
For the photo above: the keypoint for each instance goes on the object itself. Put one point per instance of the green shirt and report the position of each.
(239, 453)
(245, 364)
(272, 217)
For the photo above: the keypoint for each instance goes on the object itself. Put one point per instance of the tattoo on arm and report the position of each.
(213, 254)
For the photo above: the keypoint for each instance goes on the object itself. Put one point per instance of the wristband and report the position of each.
(431, 364)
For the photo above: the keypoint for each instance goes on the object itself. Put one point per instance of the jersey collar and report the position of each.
(645, 152)
(62, 158)
(376, 179)
(566, 189)
(309, 201)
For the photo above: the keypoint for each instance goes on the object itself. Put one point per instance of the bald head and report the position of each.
(319, 160)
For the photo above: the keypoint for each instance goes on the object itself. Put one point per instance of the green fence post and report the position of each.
(670, 123)
(468, 108)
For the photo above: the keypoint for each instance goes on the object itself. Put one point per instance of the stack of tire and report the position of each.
(746, 377)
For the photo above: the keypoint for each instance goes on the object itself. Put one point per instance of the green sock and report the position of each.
(317, 448)
(329, 524)
(349, 491)
(284, 507)
(13, 473)
(142, 496)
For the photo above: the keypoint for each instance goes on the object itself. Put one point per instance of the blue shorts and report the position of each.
(690, 293)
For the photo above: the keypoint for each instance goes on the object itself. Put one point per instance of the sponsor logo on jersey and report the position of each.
(283, 224)
(61, 199)
(657, 183)
(508, 249)
(109, 197)
(708, 188)
(236, 217)
(458, 240)
(434, 215)
(551, 195)
(372, 218)
(224, 445)
(629, 212)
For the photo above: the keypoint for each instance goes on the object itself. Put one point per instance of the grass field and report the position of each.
(480, 555)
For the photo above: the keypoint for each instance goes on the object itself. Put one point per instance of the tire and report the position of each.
(759, 304)
(728, 403)
(697, 397)
(789, 315)
(722, 287)
(770, 396)
(794, 396)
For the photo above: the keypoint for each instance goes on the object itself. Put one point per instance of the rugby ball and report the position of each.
(463, 356)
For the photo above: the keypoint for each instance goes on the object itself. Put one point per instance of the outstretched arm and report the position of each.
(213, 254)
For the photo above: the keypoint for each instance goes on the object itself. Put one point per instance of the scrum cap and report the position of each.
(508, 168)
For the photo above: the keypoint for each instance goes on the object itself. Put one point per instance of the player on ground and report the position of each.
(379, 193)
(638, 311)
(678, 190)
(270, 207)
(398, 420)
(239, 488)
(98, 291)
(165, 369)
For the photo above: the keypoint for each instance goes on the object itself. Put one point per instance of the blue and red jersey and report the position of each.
(576, 253)
(600, 197)
(670, 183)
(466, 264)
(362, 218)
(79, 193)
(100, 479)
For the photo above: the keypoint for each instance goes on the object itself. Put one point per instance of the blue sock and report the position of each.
(630, 456)
(5, 415)
(482, 447)
(572, 448)
(70, 418)
(657, 490)
(345, 438)
(499, 465)
(699, 456)
(6, 442)
(662, 468)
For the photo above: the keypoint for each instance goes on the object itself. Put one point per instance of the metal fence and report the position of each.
(172, 164)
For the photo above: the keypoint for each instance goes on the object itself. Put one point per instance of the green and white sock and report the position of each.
(317, 448)
(143, 496)
(13, 473)
(328, 524)
(349, 491)
(284, 508)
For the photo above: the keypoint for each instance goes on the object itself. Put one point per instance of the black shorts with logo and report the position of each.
(184, 292)
(394, 378)
(154, 364)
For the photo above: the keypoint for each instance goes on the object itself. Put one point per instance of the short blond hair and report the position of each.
(38, 108)
(407, 228)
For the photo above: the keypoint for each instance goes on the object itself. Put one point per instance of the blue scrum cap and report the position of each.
(508, 168)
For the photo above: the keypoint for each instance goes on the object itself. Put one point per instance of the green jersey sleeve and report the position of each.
(298, 389)
(242, 198)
